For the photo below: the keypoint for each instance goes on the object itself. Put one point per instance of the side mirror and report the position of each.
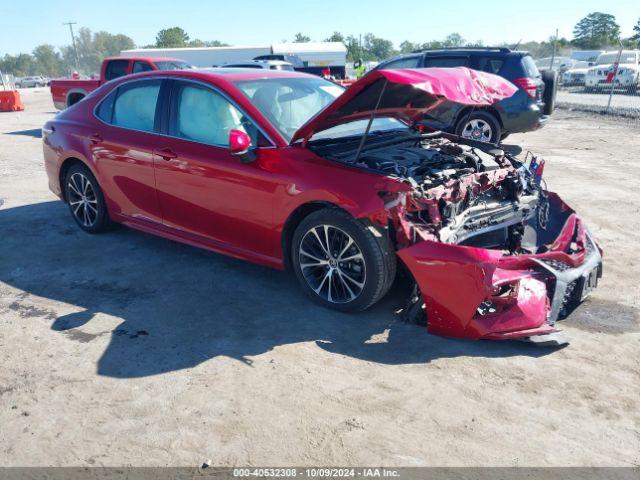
(240, 146)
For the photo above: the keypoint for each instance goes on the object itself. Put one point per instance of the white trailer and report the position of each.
(314, 57)
(204, 56)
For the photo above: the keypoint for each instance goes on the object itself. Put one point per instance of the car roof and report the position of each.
(227, 74)
(472, 51)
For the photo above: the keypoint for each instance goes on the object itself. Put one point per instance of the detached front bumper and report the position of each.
(479, 293)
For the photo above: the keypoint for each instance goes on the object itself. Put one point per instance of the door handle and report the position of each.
(167, 154)
(95, 138)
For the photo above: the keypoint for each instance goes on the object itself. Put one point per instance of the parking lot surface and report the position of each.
(127, 349)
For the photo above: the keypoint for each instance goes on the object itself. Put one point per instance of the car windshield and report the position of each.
(289, 102)
(607, 58)
(172, 65)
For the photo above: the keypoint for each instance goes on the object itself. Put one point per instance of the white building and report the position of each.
(311, 57)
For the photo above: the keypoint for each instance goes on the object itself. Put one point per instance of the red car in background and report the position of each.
(67, 92)
(286, 170)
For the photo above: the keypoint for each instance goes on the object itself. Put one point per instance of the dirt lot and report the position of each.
(126, 349)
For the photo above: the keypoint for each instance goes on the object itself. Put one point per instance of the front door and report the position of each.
(203, 190)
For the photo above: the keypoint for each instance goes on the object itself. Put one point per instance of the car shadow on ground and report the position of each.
(181, 306)
(34, 132)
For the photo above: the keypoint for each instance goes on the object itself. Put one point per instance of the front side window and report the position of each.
(204, 115)
(135, 105)
(410, 62)
(116, 68)
(289, 102)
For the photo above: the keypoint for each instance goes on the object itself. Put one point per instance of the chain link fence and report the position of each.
(609, 88)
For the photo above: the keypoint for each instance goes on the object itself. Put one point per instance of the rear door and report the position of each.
(123, 147)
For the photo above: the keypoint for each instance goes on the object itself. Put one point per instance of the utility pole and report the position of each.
(73, 42)
(555, 46)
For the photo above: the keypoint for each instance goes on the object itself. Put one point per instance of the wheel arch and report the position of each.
(294, 219)
(64, 168)
(74, 94)
(491, 110)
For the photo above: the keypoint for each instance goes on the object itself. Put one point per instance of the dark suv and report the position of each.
(527, 110)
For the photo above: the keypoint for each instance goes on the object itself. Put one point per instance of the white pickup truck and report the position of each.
(627, 75)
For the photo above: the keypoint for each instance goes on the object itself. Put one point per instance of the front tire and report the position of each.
(339, 262)
(480, 126)
(85, 200)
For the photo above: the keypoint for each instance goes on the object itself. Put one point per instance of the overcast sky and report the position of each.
(245, 22)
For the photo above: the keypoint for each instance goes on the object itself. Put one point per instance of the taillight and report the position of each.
(528, 85)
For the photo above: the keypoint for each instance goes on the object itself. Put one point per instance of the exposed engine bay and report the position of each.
(461, 191)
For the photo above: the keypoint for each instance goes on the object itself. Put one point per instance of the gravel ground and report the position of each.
(127, 349)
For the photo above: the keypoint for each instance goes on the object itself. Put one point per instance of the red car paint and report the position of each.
(203, 196)
(65, 92)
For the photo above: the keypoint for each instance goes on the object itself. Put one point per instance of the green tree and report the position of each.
(377, 48)
(300, 38)
(212, 43)
(354, 52)
(408, 47)
(596, 30)
(636, 32)
(48, 61)
(19, 65)
(174, 37)
(335, 37)
(453, 40)
(92, 49)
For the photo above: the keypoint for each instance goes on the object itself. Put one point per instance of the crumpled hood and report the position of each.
(408, 95)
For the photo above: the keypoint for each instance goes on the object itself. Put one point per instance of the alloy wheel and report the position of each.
(332, 264)
(477, 129)
(82, 199)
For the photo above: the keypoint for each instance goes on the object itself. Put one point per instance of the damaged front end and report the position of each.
(493, 254)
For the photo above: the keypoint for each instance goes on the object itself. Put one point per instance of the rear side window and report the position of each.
(116, 68)
(141, 67)
(529, 66)
(491, 65)
(446, 62)
(135, 105)
(105, 109)
(203, 115)
(409, 62)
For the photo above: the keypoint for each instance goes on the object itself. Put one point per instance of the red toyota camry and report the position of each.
(291, 171)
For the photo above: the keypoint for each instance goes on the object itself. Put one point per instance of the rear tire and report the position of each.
(339, 262)
(480, 126)
(85, 200)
